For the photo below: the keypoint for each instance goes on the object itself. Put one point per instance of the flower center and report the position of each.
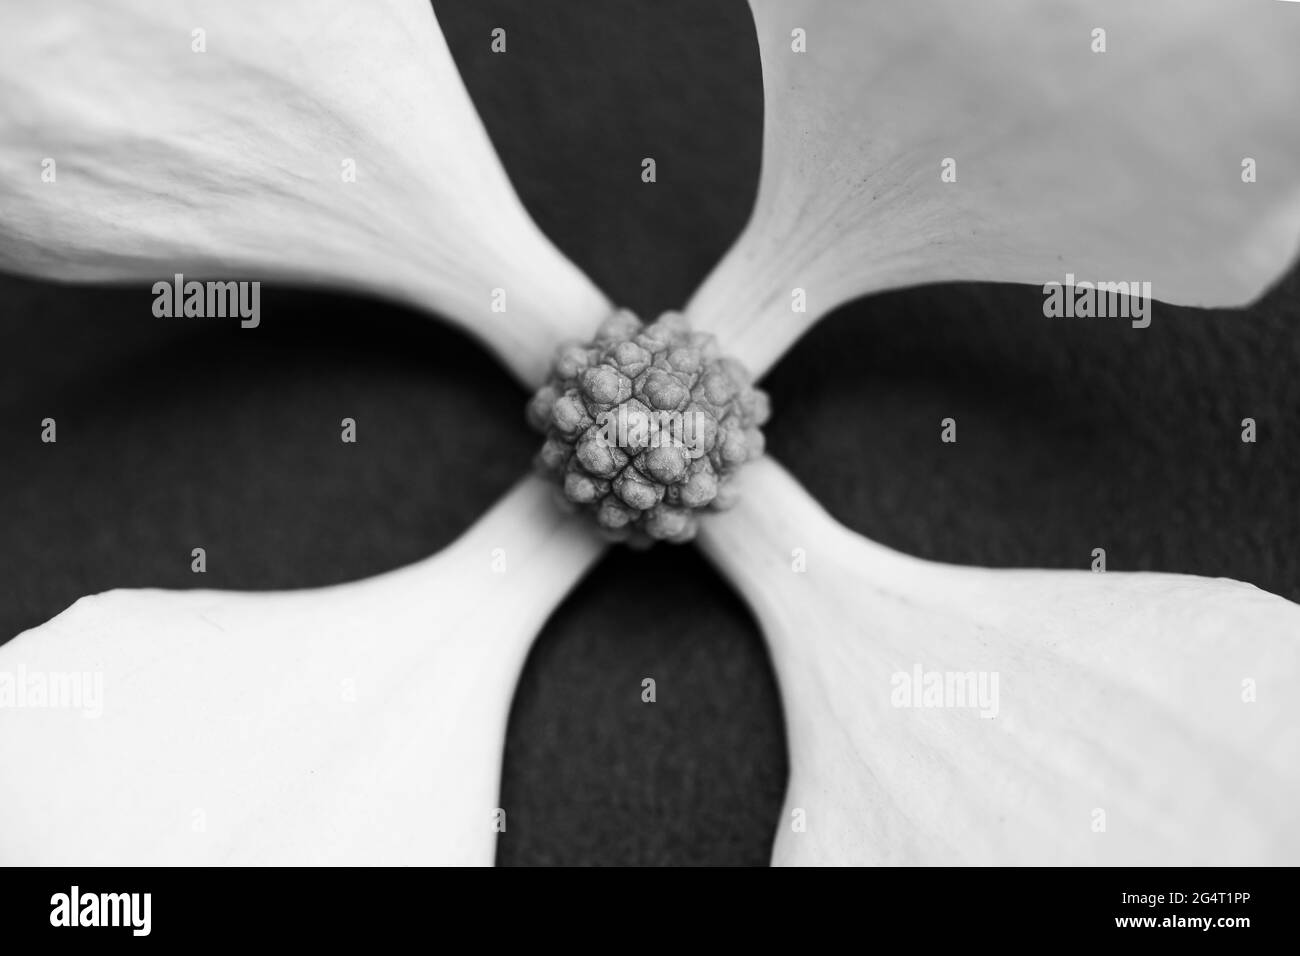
(646, 425)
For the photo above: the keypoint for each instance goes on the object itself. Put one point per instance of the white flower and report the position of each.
(1116, 166)
(233, 161)
(1084, 718)
(334, 143)
(354, 724)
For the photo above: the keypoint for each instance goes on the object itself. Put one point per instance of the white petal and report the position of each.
(1120, 701)
(1116, 166)
(230, 163)
(356, 724)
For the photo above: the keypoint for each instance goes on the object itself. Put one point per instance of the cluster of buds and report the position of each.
(646, 425)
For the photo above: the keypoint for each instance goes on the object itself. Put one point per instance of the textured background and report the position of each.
(1072, 435)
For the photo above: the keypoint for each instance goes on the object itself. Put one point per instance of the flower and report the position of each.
(279, 152)
(1115, 166)
(947, 142)
(1098, 718)
(646, 426)
(304, 727)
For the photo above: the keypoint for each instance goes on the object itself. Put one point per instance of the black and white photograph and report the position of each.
(650, 433)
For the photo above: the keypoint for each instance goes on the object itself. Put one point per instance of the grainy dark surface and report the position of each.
(1072, 435)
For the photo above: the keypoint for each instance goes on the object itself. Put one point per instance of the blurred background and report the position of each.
(1072, 435)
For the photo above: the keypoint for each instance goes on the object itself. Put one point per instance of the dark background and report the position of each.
(1072, 435)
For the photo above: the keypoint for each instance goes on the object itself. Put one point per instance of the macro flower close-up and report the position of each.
(794, 431)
